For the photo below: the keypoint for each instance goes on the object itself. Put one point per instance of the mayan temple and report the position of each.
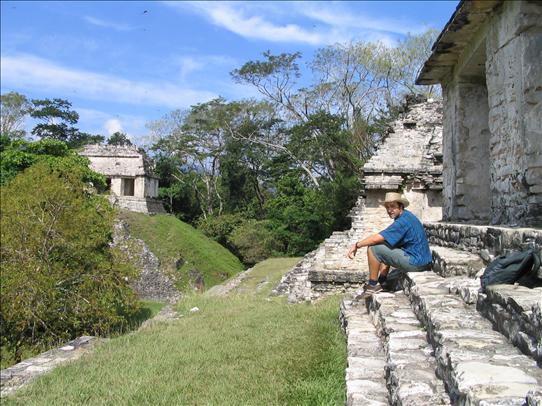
(472, 168)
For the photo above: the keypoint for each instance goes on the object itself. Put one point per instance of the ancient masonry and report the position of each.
(18, 375)
(152, 283)
(439, 339)
(410, 158)
(129, 174)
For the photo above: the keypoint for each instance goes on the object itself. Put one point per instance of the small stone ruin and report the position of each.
(129, 175)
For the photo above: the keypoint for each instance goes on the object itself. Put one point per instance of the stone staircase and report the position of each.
(447, 343)
(327, 269)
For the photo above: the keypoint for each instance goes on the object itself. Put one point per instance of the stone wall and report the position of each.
(514, 81)
(492, 121)
(466, 152)
(488, 241)
(138, 204)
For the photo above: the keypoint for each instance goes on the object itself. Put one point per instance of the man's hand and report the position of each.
(352, 251)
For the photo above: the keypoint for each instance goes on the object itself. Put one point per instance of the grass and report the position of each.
(170, 239)
(148, 309)
(265, 276)
(247, 349)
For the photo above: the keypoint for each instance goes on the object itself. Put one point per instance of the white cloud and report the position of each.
(30, 73)
(340, 18)
(99, 122)
(232, 17)
(329, 22)
(108, 24)
(112, 126)
(195, 63)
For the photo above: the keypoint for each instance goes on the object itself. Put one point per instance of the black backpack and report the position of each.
(518, 266)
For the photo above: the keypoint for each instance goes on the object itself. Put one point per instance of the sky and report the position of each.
(123, 64)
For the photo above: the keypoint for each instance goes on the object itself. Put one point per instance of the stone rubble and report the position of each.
(152, 283)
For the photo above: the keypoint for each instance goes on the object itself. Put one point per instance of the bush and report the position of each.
(254, 241)
(16, 156)
(220, 228)
(59, 277)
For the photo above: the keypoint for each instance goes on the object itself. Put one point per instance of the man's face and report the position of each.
(394, 209)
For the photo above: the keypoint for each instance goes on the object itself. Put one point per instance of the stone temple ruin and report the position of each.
(416, 137)
(129, 175)
(439, 340)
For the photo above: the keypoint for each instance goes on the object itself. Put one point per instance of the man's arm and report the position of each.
(366, 242)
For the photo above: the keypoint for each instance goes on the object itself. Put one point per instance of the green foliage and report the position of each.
(254, 241)
(16, 156)
(80, 139)
(171, 239)
(301, 217)
(56, 119)
(119, 138)
(59, 277)
(220, 228)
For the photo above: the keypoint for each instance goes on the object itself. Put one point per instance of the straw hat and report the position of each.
(396, 197)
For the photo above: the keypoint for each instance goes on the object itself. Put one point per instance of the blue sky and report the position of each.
(122, 64)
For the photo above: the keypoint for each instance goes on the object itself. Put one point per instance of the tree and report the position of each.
(79, 139)
(197, 140)
(60, 278)
(57, 119)
(14, 107)
(16, 156)
(119, 138)
(275, 77)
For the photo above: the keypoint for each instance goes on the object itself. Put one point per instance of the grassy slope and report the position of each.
(168, 238)
(247, 349)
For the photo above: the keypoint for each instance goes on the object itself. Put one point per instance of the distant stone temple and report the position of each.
(488, 60)
(132, 183)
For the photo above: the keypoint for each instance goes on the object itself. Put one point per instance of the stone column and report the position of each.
(466, 174)
(514, 81)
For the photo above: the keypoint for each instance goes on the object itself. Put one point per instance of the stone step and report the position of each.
(365, 380)
(410, 367)
(452, 262)
(19, 375)
(467, 289)
(477, 364)
(515, 311)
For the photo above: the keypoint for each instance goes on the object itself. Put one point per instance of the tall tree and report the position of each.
(57, 119)
(197, 139)
(14, 107)
(119, 138)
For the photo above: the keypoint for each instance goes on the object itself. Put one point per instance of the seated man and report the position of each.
(402, 245)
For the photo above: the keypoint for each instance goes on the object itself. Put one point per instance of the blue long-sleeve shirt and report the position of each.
(407, 232)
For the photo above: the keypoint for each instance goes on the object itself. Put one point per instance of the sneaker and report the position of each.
(367, 290)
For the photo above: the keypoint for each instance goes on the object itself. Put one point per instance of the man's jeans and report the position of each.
(396, 258)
